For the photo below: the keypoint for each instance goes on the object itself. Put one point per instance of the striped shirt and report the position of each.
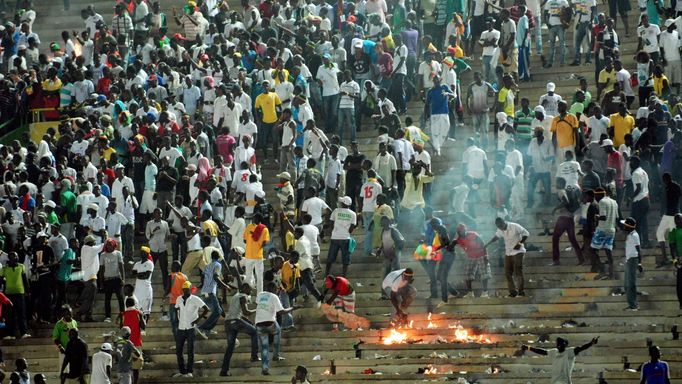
(523, 121)
(210, 283)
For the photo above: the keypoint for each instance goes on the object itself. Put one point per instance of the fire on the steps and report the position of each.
(409, 335)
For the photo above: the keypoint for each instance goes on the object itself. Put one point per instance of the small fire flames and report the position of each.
(395, 337)
(462, 335)
(326, 372)
(430, 325)
(430, 370)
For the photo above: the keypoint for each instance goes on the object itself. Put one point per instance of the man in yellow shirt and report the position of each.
(607, 77)
(256, 237)
(565, 130)
(620, 124)
(505, 97)
(267, 107)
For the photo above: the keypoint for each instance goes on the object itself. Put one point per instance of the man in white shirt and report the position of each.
(345, 221)
(397, 286)
(404, 153)
(142, 270)
(541, 155)
(563, 358)
(550, 100)
(350, 92)
(327, 78)
(187, 307)
(268, 306)
(648, 38)
(640, 199)
(368, 196)
(553, 11)
(489, 41)
(397, 90)
(89, 269)
(514, 237)
(669, 42)
(101, 365)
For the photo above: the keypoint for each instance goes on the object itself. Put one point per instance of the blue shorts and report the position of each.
(602, 240)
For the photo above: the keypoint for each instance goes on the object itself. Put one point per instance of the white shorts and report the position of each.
(148, 204)
(674, 72)
(145, 296)
(667, 223)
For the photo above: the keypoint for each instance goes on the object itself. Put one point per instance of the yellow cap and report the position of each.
(145, 249)
(186, 284)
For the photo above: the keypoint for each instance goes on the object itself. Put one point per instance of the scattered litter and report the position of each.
(379, 357)
(317, 358)
(538, 370)
(436, 355)
(369, 371)
(358, 284)
(461, 380)
(568, 249)
(569, 324)
(441, 340)
(543, 338)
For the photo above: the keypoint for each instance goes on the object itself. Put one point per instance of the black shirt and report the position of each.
(163, 184)
(359, 66)
(354, 174)
(672, 199)
(76, 354)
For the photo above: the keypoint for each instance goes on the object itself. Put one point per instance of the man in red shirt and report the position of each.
(616, 161)
(477, 259)
(342, 293)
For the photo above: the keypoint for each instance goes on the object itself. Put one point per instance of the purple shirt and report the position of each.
(668, 156)
(411, 38)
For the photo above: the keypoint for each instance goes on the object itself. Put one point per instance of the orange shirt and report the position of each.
(177, 280)
(254, 249)
(564, 129)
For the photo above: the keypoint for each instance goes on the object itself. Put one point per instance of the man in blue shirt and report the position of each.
(437, 109)
(655, 371)
(212, 278)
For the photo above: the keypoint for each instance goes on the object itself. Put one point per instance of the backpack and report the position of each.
(573, 194)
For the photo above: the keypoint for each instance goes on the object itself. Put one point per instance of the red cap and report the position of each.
(178, 36)
(204, 57)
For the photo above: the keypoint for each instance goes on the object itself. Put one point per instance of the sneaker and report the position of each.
(213, 332)
(162, 318)
(469, 295)
(8, 338)
(442, 304)
(318, 304)
(236, 343)
(278, 358)
(253, 360)
(201, 333)
(521, 294)
(189, 375)
(574, 64)
(107, 319)
(228, 373)
(289, 329)
(178, 374)
(631, 309)
(26, 336)
(484, 294)
(265, 372)
(511, 295)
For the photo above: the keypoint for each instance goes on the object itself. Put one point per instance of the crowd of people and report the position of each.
(154, 165)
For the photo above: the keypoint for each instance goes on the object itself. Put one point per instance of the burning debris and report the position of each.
(402, 335)
(428, 370)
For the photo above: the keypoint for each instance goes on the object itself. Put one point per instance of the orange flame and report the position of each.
(395, 337)
(326, 372)
(462, 336)
(430, 370)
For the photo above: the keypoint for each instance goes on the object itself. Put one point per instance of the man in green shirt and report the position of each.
(675, 241)
(60, 332)
(16, 289)
(66, 263)
(522, 120)
(52, 217)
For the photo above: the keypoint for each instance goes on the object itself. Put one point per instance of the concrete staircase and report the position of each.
(562, 301)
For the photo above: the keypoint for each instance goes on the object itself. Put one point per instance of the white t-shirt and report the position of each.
(670, 42)
(188, 311)
(631, 244)
(554, 7)
(598, 127)
(250, 191)
(562, 365)
(623, 77)
(551, 103)
(404, 147)
(569, 170)
(428, 71)
(314, 206)
(400, 53)
(639, 176)
(100, 361)
(369, 192)
(512, 236)
(90, 261)
(311, 233)
(475, 158)
(394, 280)
(490, 35)
(139, 267)
(267, 306)
(329, 79)
(343, 218)
(649, 37)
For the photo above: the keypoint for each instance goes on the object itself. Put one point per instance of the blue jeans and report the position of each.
(215, 308)
(185, 335)
(287, 318)
(581, 32)
(524, 63)
(392, 264)
(430, 268)
(488, 70)
(173, 315)
(481, 123)
(557, 31)
(545, 179)
(233, 328)
(265, 137)
(334, 247)
(367, 219)
(347, 116)
(264, 333)
(631, 281)
(330, 105)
